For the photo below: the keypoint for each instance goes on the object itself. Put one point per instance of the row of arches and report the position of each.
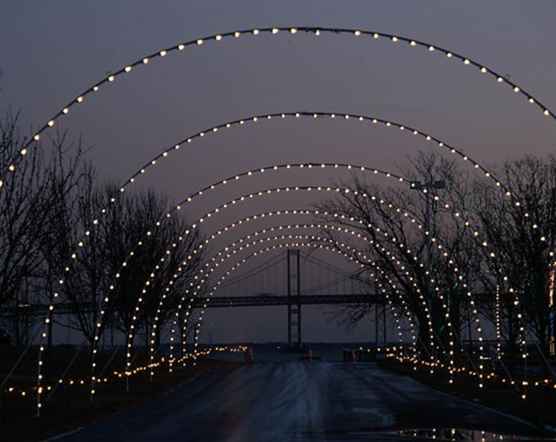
(149, 59)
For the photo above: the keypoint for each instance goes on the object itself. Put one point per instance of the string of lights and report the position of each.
(80, 244)
(291, 31)
(475, 233)
(244, 221)
(189, 200)
(276, 31)
(26, 391)
(286, 212)
(231, 251)
(128, 68)
(310, 165)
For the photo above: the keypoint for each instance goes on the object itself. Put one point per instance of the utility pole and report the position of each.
(429, 224)
(294, 302)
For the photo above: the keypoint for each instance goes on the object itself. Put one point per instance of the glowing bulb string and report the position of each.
(116, 375)
(189, 199)
(227, 248)
(307, 165)
(230, 251)
(297, 114)
(196, 334)
(317, 242)
(316, 31)
(285, 213)
(260, 194)
(292, 30)
(308, 188)
(281, 228)
(404, 311)
(250, 121)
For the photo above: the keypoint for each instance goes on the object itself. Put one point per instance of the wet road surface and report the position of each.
(295, 401)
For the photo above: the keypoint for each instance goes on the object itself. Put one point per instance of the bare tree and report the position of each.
(23, 210)
(393, 236)
(522, 230)
(121, 222)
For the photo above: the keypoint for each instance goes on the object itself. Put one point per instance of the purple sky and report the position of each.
(53, 50)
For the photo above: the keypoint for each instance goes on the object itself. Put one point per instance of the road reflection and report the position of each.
(456, 434)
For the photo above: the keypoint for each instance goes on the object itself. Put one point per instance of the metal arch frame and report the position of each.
(287, 166)
(320, 247)
(288, 212)
(78, 99)
(228, 249)
(292, 30)
(324, 243)
(240, 122)
(255, 118)
(281, 228)
(312, 239)
(262, 193)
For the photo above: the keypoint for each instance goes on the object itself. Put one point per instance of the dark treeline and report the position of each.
(511, 252)
(55, 212)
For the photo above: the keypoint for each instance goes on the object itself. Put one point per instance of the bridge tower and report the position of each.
(294, 301)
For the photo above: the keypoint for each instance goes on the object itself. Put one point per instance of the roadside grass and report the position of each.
(538, 409)
(68, 406)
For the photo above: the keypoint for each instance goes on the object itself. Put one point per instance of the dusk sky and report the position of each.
(51, 51)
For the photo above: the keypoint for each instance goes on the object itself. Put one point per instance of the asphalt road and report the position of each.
(295, 401)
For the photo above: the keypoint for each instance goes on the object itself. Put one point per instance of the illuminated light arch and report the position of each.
(286, 189)
(320, 243)
(177, 208)
(299, 165)
(249, 121)
(292, 30)
(278, 228)
(311, 244)
(288, 212)
(190, 198)
(308, 188)
(268, 191)
(358, 117)
(227, 250)
(316, 31)
(238, 223)
(328, 245)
